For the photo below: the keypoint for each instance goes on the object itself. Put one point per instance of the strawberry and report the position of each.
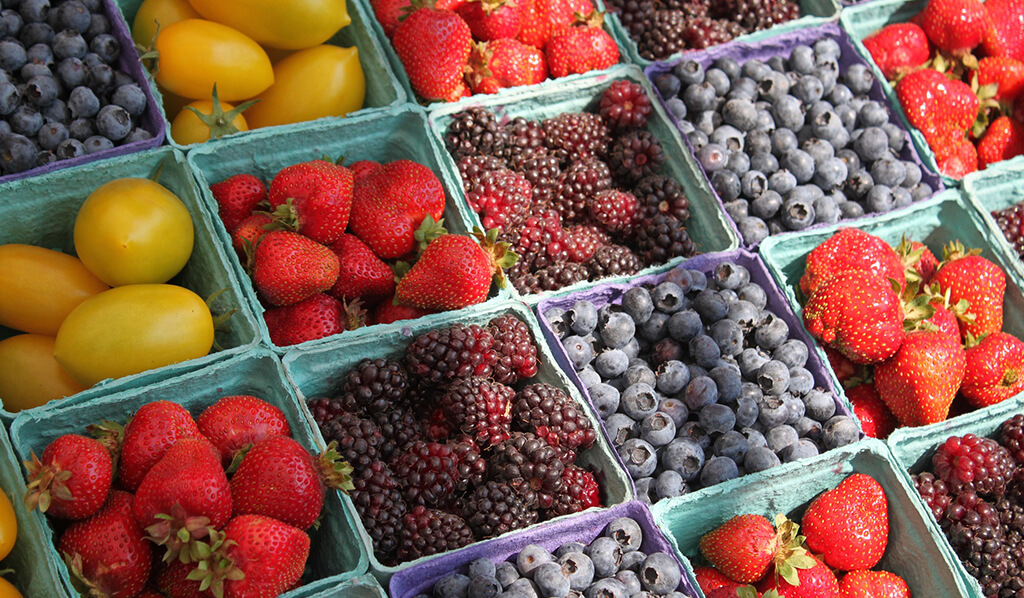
(314, 317)
(267, 556)
(361, 275)
(433, 45)
(491, 19)
(919, 263)
(709, 578)
(1005, 72)
(280, 479)
(108, 552)
(1005, 33)
(858, 313)
(389, 14)
(898, 48)
(844, 368)
(173, 580)
(816, 581)
(387, 312)
(233, 424)
(945, 318)
(743, 548)
(313, 198)
(958, 159)
(289, 267)
(504, 63)
(533, 30)
(967, 275)
(849, 525)
(936, 104)
(733, 590)
(455, 271)
(182, 496)
(72, 479)
(875, 418)
(249, 232)
(954, 25)
(237, 196)
(873, 584)
(363, 168)
(581, 48)
(850, 249)
(1003, 140)
(995, 370)
(919, 382)
(148, 436)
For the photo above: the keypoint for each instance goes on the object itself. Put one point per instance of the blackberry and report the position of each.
(378, 500)
(543, 171)
(428, 531)
(614, 210)
(428, 472)
(374, 385)
(972, 462)
(475, 131)
(524, 139)
(558, 275)
(526, 282)
(633, 14)
(1011, 222)
(398, 428)
(494, 509)
(613, 260)
(480, 408)
(472, 465)
(552, 415)
(704, 32)
(583, 240)
(755, 15)
(662, 238)
(538, 242)
(529, 465)
(358, 439)
(458, 351)
(663, 35)
(502, 197)
(472, 168)
(625, 106)
(1011, 436)
(579, 492)
(517, 353)
(579, 182)
(574, 136)
(634, 156)
(691, 8)
(934, 493)
(659, 194)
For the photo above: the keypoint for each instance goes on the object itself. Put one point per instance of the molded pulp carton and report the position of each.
(708, 225)
(42, 212)
(782, 45)
(336, 553)
(361, 586)
(382, 87)
(997, 188)
(319, 370)
(916, 550)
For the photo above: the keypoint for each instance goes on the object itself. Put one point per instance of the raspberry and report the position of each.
(378, 500)
(550, 414)
(974, 463)
(1011, 222)
(429, 472)
(663, 34)
(614, 210)
(517, 354)
(579, 492)
(583, 240)
(479, 407)
(374, 385)
(495, 508)
(934, 493)
(624, 105)
(525, 139)
(557, 276)
(531, 466)
(472, 465)
(635, 155)
(501, 197)
(703, 32)
(428, 531)
(458, 351)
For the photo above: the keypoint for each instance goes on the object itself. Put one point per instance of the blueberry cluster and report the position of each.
(697, 382)
(61, 93)
(611, 566)
(788, 143)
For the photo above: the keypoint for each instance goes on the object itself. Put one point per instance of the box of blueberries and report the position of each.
(998, 193)
(700, 375)
(793, 132)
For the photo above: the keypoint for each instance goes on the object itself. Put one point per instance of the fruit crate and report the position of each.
(583, 528)
(782, 45)
(382, 87)
(360, 586)
(336, 554)
(383, 135)
(916, 550)
(997, 188)
(708, 226)
(318, 371)
(150, 121)
(41, 211)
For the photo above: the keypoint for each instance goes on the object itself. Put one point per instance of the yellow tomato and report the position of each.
(30, 376)
(159, 14)
(195, 54)
(322, 81)
(41, 287)
(131, 329)
(132, 231)
(7, 590)
(8, 525)
(187, 128)
(290, 25)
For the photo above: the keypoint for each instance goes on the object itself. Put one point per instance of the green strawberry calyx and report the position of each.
(910, 257)
(501, 256)
(45, 482)
(791, 555)
(111, 436)
(335, 471)
(178, 533)
(214, 567)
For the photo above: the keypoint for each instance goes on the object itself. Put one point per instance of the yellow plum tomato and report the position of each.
(7, 590)
(291, 25)
(30, 376)
(8, 525)
(186, 127)
(154, 15)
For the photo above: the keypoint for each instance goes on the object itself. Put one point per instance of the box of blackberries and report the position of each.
(998, 193)
(587, 181)
(460, 428)
(700, 375)
(793, 132)
(612, 552)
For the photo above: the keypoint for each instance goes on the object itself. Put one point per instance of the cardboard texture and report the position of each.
(997, 188)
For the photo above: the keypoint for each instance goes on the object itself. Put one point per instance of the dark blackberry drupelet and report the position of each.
(633, 14)
(495, 508)
(663, 34)
(501, 197)
(428, 472)
(635, 155)
(538, 241)
(472, 168)
(359, 440)
(934, 493)
(543, 171)
(525, 139)
(474, 131)
(472, 464)
(583, 240)
(976, 463)
(754, 15)
(517, 354)
(530, 466)
(975, 532)
(552, 415)
(659, 194)
(398, 429)
(614, 210)
(704, 32)
(576, 185)
(1011, 436)
(375, 385)
(378, 500)
(613, 260)
(558, 275)
(1011, 222)
(624, 106)
(579, 491)
(662, 238)
(574, 136)
(480, 408)
(458, 351)
(429, 531)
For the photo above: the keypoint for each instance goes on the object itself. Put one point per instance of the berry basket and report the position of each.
(360, 586)
(318, 371)
(584, 528)
(994, 189)
(782, 45)
(47, 218)
(392, 134)
(336, 553)
(707, 226)
(382, 87)
(916, 550)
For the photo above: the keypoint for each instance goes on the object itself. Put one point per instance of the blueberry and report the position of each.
(773, 411)
(764, 162)
(10, 98)
(521, 588)
(640, 372)
(617, 331)
(660, 573)
(12, 55)
(757, 142)
(704, 351)
(746, 411)
(644, 490)
(800, 164)
(913, 174)
(667, 84)
(577, 568)
(828, 74)
(638, 304)
(579, 351)
(740, 114)
(773, 377)
(611, 363)
(101, 77)
(753, 184)
(801, 381)
(677, 108)
(689, 72)
(712, 157)
(731, 444)
(605, 399)
(752, 229)
(793, 353)
(838, 431)
(801, 59)
(755, 69)
(717, 418)
(551, 581)
(901, 197)
(830, 173)
(70, 148)
(638, 401)
(620, 428)
(582, 318)
(872, 144)
(754, 294)
(807, 427)
(799, 450)
(699, 97)
(797, 214)
(631, 561)
(750, 361)
(819, 404)
(627, 532)
(697, 139)
(764, 120)
(606, 588)
(739, 162)
(794, 406)
(17, 153)
(897, 136)
(113, 122)
(921, 191)
(531, 557)
(670, 484)
(759, 459)
(10, 23)
(658, 429)
(826, 125)
(858, 185)
(729, 383)
(888, 171)
(779, 437)
(671, 377)
(781, 182)
(880, 199)
(743, 88)
(771, 333)
(83, 102)
(707, 121)
(506, 572)
(655, 327)
(668, 297)
(710, 306)
(35, 33)
(727, 184)
(783, 140)
(606, 555)
(858, 78)
(51, 135)
(691, 430)
(718, 470)
(728, 137)
(729, 66)
(453, 585)
(588, 376)
(99, 25)
(131, 98)
(639, 457)
(675, 409)
(743, 312)
(827, 210)
(773, 86)
(489, 587)
(700, 392)
(788, 112)
(26, 121)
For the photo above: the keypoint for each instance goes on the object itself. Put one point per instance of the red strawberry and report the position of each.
(237, 196)
(919, 382)
(387, 312)
(504, 63)
(898, 48)
(936, 104)
(173, 581)
(851, 249)
(389, 14)
(491, 19)
(967, 275)
(1003, 140)
(995, 370)
(734, 590)
(182, 496)
(1005, 33)
(945, 318)
(314, 198)
(873, 584)
(249, 232)
(289, 267)
(148, 436)
(271, 556)
(317, 316)
(709, 578)
(742, 548)
(849, 525)
(108, 550)
(858, 314)
(843, 367)
(958, 158)
(72, 479)
(875, 418)
(919, 263)
(361, 275)
(362, 169)
(533, 30)
(233, 424)
(279, 478)
(1007, 73)
(581, 49)
(433, 45)
(816, 581)
(455, 271)
(955, 25)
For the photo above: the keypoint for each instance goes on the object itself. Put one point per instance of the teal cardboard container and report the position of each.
(997, 188)
(41, 211)
(336, 552)
(708, 226)
(382, 87)
(916, 550)
(318, 371)
(361, 586)
(384, 135)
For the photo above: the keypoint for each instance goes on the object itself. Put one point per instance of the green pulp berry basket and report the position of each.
(994, 189)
